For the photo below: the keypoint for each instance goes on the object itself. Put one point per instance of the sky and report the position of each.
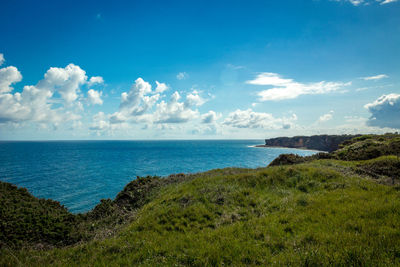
(134, 70)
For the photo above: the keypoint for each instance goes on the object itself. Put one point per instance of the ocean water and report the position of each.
(80, 173)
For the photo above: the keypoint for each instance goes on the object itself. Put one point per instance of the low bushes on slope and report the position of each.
(385, 166)
(370, 147)
(28, 221)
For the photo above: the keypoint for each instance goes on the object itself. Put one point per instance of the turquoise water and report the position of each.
(80, 173)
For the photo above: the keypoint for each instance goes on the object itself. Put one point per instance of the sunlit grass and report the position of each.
(303, 214)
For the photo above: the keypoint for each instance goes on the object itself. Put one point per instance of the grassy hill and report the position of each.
(341, 208)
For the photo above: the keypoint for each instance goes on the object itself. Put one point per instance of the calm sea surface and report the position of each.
(80, 173)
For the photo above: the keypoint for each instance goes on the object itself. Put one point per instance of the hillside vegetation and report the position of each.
(341, 208)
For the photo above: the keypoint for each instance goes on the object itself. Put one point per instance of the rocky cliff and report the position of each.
(327, 143)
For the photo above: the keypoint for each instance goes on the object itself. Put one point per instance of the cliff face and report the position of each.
(327, 143)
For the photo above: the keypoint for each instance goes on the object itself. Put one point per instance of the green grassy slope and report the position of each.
(331, 211)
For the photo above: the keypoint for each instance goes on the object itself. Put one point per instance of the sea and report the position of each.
(79, 174)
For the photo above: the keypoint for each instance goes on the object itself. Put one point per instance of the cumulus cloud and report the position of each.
(289, 89)
(140, 105)
(194, 99)
(326, 117)
(1, 59)
(33, 104)
(385, 111)
(39, 103)
(161, 87)
(210, 117)
(66, 81)
(182, 75)
(376, 77)
(250, 119)
(95, 80)
(9, 76)
(174, 111)
(136, 102)
(94, 97)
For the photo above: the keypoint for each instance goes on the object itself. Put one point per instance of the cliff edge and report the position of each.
(326, 143)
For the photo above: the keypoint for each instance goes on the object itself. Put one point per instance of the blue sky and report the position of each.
(198, 69)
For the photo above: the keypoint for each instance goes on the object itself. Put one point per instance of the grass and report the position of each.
(317, 213)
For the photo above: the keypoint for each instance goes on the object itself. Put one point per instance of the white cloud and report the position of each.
(250, 119)
(33, 104)
(234, 67)
(95, 80)
(206, 129)
(174, 111)
(210, 117)
(137, 106)
(182, 75)
(366, 2)
(194, 99)
(39, 103)
(1, 59)
(326, 117)
(376, 77)
(385, 111)
(269, 78)
(136, 102)
(9, 76)
(66, 81)
(118, 117)
(161, 87)
(94, 97)
(355, 119)
(356, 2)
(289, 89)
(388, 2)
(100, 122)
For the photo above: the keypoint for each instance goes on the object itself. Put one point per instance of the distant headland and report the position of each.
(324, 142)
